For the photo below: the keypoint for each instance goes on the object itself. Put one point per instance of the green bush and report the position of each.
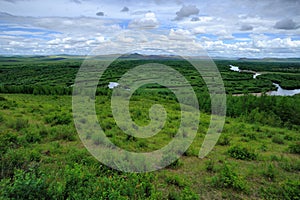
(21, 123)
(290, 165)
(1, 118)
(32, 136)
(224, 141)
(185, 194)
(58, 119)
(210, 166)
(227, 178)
(270, 172)
(242, 153)
(250, 136)
(20, 158)
(175, 180)
(3, 99)
(166, 158)
(295, 148)
(289, 189)
(8, 140)
(264, 147)
(278, 139)
(26, 185)
(61, 132)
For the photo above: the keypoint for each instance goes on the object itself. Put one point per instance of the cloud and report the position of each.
(76, 1)
(10, 1)
(224, 28)
(187, 11)
(246, 27)
(286, 24)
(100, 14)
(195, 19)
(149, 21)
(125, 9)
(140, 12)
(180, 34)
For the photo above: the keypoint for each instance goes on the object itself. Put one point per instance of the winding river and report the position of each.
(112, 85)
(279, 92)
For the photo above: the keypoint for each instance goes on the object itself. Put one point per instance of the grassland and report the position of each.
(42, 157)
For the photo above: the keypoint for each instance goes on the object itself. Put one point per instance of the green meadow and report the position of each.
(42, 156)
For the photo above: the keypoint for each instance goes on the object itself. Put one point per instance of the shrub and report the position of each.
(290, 166)
(288, 137)
(2, 99)
(264, 147)
(6, 104)
(291, 189)
(269, 173)
(278, 139)
(210, 166)
(14, 159)
(32, 136)
(1, 118)
(186, 194)
(175, 180)
(166, 158)
(295, 148)
(58, 119)
(287, 190)
(26, 185)
(224, 141)
(173, 195)
(8, 140)
(242, 153)
(21, 123)
(250, 136)
(227, 178)
(61, 132)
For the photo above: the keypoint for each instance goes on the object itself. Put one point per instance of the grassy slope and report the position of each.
(51, 145)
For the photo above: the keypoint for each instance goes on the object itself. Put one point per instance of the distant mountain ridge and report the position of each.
(137, 56)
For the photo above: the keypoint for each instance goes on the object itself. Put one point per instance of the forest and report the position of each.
(42, 156)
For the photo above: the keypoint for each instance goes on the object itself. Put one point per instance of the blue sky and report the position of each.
(232, 28)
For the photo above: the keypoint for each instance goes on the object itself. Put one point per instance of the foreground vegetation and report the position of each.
(42, 157)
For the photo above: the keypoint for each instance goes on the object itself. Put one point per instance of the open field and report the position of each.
(42, 157)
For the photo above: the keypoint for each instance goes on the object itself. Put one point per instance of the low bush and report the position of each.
(1, 118)
(269, 172)
(295, 148)
(278, 139)
(166, 159)
(8, 140)
(26, 185)
(290, 165)
(242, 153)
(210, 166)
(58, 119)
(186, 194)
(62, 132)
(224, 141)
(21, 123)
(250, 136)
(175, 180)
(32, 136)
(286, 190)
(227, 178)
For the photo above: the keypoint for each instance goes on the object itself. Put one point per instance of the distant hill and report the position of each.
(271, 59)
(133, 56)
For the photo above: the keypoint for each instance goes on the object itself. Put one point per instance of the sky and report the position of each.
(222, 28)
